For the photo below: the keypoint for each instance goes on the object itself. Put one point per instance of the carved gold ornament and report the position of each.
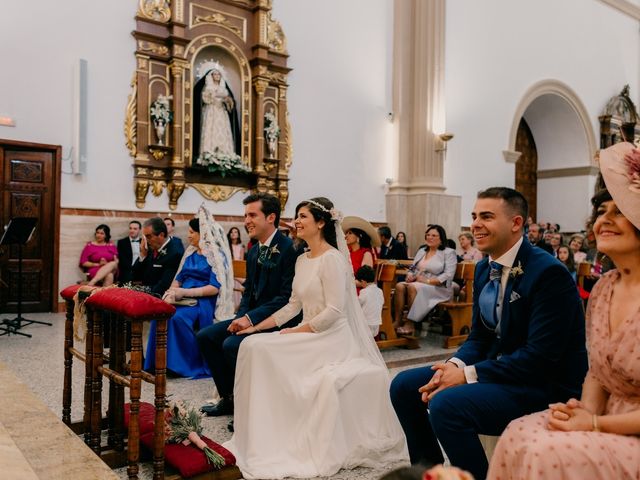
(217, 19)
(141, 189)
(130, 129)
(157, 186)
(288, 152)
(217, 193)
(275, 35)
(158, 10)
(153, 48)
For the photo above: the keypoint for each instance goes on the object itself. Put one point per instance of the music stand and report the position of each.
(18, 232)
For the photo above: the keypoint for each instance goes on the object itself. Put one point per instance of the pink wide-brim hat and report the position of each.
(622, 180)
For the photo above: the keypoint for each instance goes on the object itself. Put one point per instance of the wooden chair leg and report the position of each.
(160, 398)
(133, 444)
(88, 378)
(459, 320)
(96, 377)
(68, 364)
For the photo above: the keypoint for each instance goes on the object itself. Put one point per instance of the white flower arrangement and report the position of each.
(161, 113)
(223, 164)
(271, 128)
(516, 271)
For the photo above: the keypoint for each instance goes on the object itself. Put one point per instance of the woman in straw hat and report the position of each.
(597, 436)
(360, 236)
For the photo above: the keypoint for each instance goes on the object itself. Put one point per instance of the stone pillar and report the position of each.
(416, 194)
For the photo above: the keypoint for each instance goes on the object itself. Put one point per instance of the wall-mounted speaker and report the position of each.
(80, 94)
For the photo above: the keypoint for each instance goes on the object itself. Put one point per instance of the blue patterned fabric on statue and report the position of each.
(183, 354)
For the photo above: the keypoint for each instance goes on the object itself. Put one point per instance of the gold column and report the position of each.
(177, 71)
(260, 87)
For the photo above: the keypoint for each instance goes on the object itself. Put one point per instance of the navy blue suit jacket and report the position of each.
(269, 291)
(157, 273)
(542, 329)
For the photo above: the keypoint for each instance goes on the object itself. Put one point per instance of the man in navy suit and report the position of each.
(270, 269)
(526, 348)
(159, 257)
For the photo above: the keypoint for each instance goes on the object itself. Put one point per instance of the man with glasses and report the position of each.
(159, 257)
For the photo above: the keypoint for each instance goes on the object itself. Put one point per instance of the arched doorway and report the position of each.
(562, 137)
(527, 167)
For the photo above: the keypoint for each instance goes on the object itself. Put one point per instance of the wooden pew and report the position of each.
(387, 275)
(239, 269)
(239, 274)
(460, 309)
(583, 270)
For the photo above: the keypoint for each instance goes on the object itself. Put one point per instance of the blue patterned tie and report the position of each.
(488, 299)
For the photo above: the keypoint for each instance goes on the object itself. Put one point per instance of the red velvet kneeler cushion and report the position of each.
(146, 417)
(130, 303)
(187, 459)
(69, 292)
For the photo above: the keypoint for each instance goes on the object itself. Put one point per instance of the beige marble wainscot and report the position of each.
(43, 447)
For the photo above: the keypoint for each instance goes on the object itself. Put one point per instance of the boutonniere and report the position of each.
(266, 259)
(162, 252)
(516, 271)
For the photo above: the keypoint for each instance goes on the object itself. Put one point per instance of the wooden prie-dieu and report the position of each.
(112, 309)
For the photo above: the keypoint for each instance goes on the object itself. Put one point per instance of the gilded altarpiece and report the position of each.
(179, 45)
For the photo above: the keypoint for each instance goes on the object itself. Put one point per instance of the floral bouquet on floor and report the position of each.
(183, 424)
(440, 472)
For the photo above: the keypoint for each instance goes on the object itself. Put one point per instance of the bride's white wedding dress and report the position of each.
(309, 404)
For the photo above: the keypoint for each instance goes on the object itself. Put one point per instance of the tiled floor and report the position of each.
(38, 362)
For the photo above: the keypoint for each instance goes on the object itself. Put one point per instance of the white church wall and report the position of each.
(495, 50)
(337, 99)
(566, 201)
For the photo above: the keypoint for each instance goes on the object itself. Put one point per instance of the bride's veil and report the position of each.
(356, 319)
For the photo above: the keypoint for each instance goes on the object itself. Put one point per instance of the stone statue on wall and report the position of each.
(216, 130)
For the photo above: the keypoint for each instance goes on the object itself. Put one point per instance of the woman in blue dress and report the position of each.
(196, 282)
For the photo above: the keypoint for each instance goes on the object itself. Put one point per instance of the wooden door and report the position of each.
(30, 187)
(527, 167)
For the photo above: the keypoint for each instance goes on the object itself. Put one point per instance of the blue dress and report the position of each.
(183, 354)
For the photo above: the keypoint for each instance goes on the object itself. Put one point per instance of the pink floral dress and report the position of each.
(528, 450)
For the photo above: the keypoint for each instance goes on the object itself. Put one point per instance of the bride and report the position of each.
(313, 399)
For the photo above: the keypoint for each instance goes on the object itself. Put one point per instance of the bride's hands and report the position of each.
(247, 331)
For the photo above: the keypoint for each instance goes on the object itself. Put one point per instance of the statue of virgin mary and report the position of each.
(216, 131)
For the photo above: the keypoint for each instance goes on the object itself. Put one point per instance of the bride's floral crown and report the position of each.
(336, 215)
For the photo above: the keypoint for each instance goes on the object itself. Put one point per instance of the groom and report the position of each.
(270, 270)
(526, 348)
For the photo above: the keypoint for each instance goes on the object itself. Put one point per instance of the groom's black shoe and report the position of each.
(223, 407)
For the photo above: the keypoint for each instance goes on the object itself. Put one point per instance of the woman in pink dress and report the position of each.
(99, 259)
(598, 436)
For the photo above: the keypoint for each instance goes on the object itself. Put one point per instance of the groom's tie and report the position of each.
(262, 254)
(489, 296)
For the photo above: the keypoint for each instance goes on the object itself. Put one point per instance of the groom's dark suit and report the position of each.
(267, 289)
(539, 357)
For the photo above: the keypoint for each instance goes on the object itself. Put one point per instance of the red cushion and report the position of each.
(188, 459)
(146, 417)
(130, 303)
(69, 292)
